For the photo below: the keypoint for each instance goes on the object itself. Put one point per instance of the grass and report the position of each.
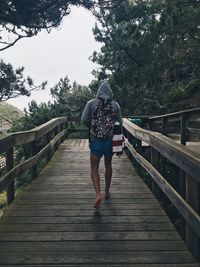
(21, 183)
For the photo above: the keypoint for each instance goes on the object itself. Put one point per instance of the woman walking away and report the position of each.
(100, 115)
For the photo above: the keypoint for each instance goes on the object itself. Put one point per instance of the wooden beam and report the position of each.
(14, 172)
(184, 158)
(11, 185)
(193, 199)
(192, 218)
(192, 113)
(155, 162)
(25, 137)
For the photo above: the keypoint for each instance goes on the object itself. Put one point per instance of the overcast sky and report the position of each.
(65, 51)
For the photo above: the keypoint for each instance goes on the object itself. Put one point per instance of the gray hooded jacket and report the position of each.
(104, 92)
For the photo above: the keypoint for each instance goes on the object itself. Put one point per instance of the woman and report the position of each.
(99, 115)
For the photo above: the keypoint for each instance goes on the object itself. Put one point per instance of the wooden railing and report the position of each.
(50, 134)
(179, 124)
(188, 202)
(186, 199)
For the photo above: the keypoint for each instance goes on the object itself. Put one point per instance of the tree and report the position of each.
(34, 115)
(13, 83)
(150, 49)
(70, 99)
(22, 18)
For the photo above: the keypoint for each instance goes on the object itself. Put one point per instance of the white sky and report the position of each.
(65, 51)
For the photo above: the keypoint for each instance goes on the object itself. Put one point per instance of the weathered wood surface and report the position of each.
(191, 113)
(185, 159)
(53, 222)
(19, 138)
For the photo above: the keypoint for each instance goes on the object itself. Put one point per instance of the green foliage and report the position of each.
(13, 83)
(78, 135)
(23, 181)
(70, 99)
(182, 91)
(36, 115)
(20, 19)
(148, 47)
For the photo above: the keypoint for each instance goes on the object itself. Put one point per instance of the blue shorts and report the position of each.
(101, 148)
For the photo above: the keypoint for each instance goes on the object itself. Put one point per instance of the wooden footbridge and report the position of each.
(53, 222)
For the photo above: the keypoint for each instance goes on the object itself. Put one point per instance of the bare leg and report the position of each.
(108, 176)
(94, 161)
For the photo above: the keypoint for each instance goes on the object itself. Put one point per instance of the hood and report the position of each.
(104, 92)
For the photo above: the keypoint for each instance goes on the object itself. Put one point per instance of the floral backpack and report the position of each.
(102, 122)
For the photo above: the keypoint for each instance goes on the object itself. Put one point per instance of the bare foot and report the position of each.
(107, 195)
(97, 201)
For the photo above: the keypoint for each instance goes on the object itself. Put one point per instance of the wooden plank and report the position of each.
(78, 212)
(19, 138)
(49, 126)
(112, 265)
(84, 195)
(136, 245)
(87, 236)
(192, 113)
(85, 227)
(96, 218)
(100, 257)
(69, 201)
(84, 206)
(193, 198)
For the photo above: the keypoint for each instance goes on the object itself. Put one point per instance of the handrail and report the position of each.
(178, 123)
(188, 161)
(188, 112)
(19, 138)
(55, 128)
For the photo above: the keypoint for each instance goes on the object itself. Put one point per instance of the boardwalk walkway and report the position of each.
(53, 223)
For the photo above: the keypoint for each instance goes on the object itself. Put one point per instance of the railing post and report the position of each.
(182, 186)
(182, 177)
(139, 146)
(193, 199)
(33, 153)
(48, 138)
(155, 163)
(66, 127)
(163, 163)
(55, 133)
(9, 166)
(62, 129)
(150, 125)
(183, 129)
(164, 125)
